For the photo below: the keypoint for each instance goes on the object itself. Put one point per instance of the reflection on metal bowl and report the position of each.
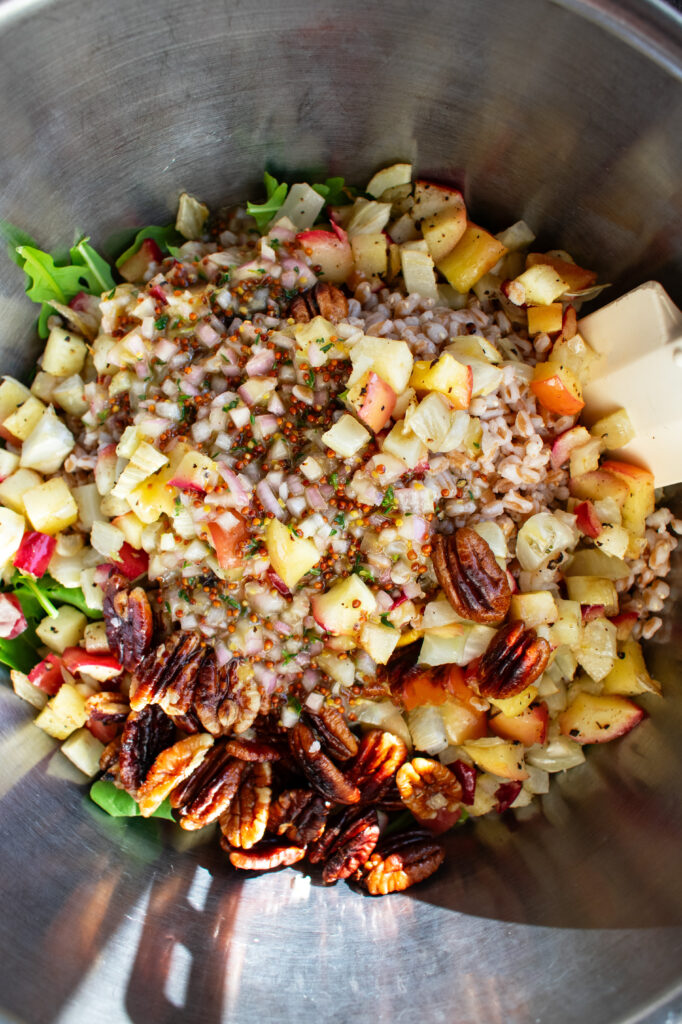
(566, 113)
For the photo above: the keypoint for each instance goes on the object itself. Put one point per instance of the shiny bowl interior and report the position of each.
(564, 112)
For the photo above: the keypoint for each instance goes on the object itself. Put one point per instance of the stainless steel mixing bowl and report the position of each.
(567, 113)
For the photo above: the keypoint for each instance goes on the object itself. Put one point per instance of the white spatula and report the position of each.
(640, 337)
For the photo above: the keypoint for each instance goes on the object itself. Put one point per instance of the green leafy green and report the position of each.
(334, 191)
(388, 502)
(120, 804)
(98, 271)
(20, 653)
(165, 237)
(276, 194)
(40, 596)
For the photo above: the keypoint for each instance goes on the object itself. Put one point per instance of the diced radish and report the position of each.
(12, 621)
(47, 674)
(131, 562)
(100, 666)
(34, 554)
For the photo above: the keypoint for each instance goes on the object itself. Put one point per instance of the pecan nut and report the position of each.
(430, 790)
(356, 835)
(332, 731)
(170, 768)
(380, 755)
(400, 862)
(108, 706)
(244, 823)
(323, 300)
(168, 675)
(205, 794)
(515, 658)
(300, 815)
(474, 584)
(128, 621)
(253, 750)
(320, 771)
(265, 856)
(145, 734)
(227, 697)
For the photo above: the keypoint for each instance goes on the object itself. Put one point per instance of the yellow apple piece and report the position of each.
(576, 278)
(370, 253)
(64, 713)
(536, 286)
(593, 718)
(475, 254)
(340, 609)
(500, 757)
(379, 641)
(64, 353)
(50, 507)
(614, 430)
(419, 272)
(12, 395)
(346, 437)
(390, 360)
(62, 630)
(584, 458)
(535, 608)
(556, 388)
(592, 562)
(447, 376)
(639, 502)
(12, 526)
(14, 487)
(576, 355)
(593, 590)
(154, 496)
(23, 420)
(599, 485)
(474, 346)
(430, 198)
(529, 726)
(373, 400)
(511, 707)
(629, 675)
(545, 319)
(389, 177)
(405, 445)
(442, 231)
(290, 556)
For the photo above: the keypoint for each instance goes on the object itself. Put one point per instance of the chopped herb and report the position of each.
(183, 595)
(252, 419)
(334, 479)
(288, 656)
(276, 194)
(471, 495)
(224, 279)
(389, 501)
(386, 622)
(162, 322)
(294, 703)
(231, 601)
(177, 505)
(310, 379)
(333, 533)
(251, 548)
(231, 405)
(343, 395)
(366, 574)
(167, 606)
(314, 572)
(340, 519)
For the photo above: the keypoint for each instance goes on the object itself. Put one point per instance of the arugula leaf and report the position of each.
(35, 591)
(120, 804)
(165, 237)
(276, 194)
(99, 273)
(20, 653)
(44, 592)
(333, 191)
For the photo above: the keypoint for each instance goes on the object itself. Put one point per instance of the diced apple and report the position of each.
(557, 389)
(639, 502)
(474, 346)
(229, 544)
(196, 472)
(191, 216)
(34, 554)
(62, 631)
(379, 641)
(436, 423)
(529, 727)
(629, 675)
(614, 540)
(587, 520)
(92, 591)
(597, 651)
(418, 271)
(95, 638)
(47, 674)
(370, 254)
(69, 393)
(614, 430)
(136, 266)
(593, 718)
(27, 690)
(373, 400)
(330, 253)
(592, 562)
(346, 437)
(599, 485)
(447, 376)
(576, 355)
(430, 199)
(130, 561)
(63, 714)
(12, 526)
(593, 590)
(405, 445)
(389, 177)
(535, 608)
(341, 608)
(131, 527)
(537, 286)
(475, 254)
(100, 666)
(9, 462)
(12, 395)
(341, 670)
(88, 501)
(48, 444)
(462, 721)
(12, 620)
(153, 497)
(290, 556)
(545, 319)
(624, 623)
(50, 507)
(568, 626)
(390, 360)
(64, 353)
(22, 421)
(585, 457)
(43, 385)
(497, 756)
(513, 706)
(576, 278)
(367, 217)
(84, 750)
(442, 231)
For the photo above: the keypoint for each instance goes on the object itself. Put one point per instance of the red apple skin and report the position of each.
(569, 325)
(552, 393)
(329, 249)
(587, 519)
(466, 776)
(529, 727)
(443, 821)
(378, 403)
(624, 623)
(131, 562)
(229, 544)
(564, 444)
(105, 732)
(582, 730)
(47, 674)
(12, 615)
(506, 794)
(628, 469)
(34, 554)
(99, 666)
(592, 611)
(159, 294)
(137, 265)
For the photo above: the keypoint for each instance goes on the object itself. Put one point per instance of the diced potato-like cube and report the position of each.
(341, 607)
(585, 457)
(629, 675)
(613, 540)
(567, 628)
(23, 420)
(15, 486)
(389, 177)
(443, 230)
(593, 590)
(84, 750)
(535, 608)
(12, 395)
(64, 713)
(65, 630)
(64, 353)
(341, 670)
(539, 285)
(43, 385)
(577, 356)
(51, 506)
(346, 437)
(391, 360)
(511, 707)
(499, 757)
(615, 430)
(370, 253)
(27, 691)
